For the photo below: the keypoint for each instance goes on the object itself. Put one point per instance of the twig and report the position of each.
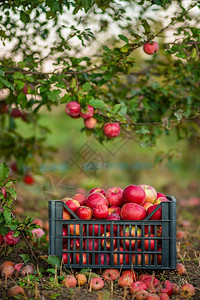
(26, 240)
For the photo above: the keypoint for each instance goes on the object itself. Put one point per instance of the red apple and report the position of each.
(149, 243)
(137, 286)
(97, 190)
(111, 130)
(1, 239)
(38, 222)
(115, 227)
(90, 123)
(84, 212)
(87, 112)
(107, 242)
(152, 297)
(148, 229)
(16, 113)
(168, 288)
(180, 268)
(100, 211)
(133, 193)
(120, 256)
(133, 211)
(66, 216)
(114, 196)
(150, 47)
(130, 232)
(160, 199)
(111, 274)
(176, 289)
(80, 198)
(141, 295)
(15, 291)
(92, 244)
(130, 273)
(157, 215)
(95, 199)
(96, 229)
(10, 240)
(160, 195)
(146, 205)
(150, 193)
(73, 109)
(138, 259)
(164, 296)
(125, 281)
(187, 291)
(96, 284)
(114, 210)
(74, 229)
(67, 257)
(75, 244)
(86, 259)
(150, 281)
(7, 271)
(28, 179)
(104, 259)
(5, 264)
(72, 204)
(13, 167)
(70, 281)
(159, 256)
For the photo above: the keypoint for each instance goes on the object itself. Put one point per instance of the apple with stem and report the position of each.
(111, 130)
(114, 196)
(150, 47)
(73, 109)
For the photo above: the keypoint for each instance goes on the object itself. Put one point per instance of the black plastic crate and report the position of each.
(130, 244)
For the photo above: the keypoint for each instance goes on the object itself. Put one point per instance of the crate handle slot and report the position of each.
(70, 211)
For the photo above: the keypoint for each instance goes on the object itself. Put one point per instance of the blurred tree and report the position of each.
(57, 51)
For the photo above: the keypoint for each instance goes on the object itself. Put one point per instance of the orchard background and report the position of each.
(56, 51)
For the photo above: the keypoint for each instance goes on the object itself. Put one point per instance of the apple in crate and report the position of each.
(104, 259)
(120, 256)
(160, 199)
(96, 229)
(114, 196)
(66, 215)
(91, 244)
(115, 227)
(133, 211)
(114, 210)
(71, 203)
(133, 193)
(84, 212)
(67, 257)
(85, 261)
(138, 259)
(74, 229)
(97, 190)
(75, 244)
(146, 205)
(95, 199)
(157, 215)
(100, 211)
(107, 242)
(150, 193)
(130, 232)
(160, 195)
(149, 243)
(80, 198)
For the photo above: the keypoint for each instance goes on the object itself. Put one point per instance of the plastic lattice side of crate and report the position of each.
(145, 244)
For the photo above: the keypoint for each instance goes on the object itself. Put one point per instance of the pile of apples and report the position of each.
(135, 202)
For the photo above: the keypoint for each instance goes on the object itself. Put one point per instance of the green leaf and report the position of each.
(123, 38)
(18, 75)
(179, 114)
(105, 48)
(25, 257)
(86, 87)
(124, 49)
(53, 260)
(54, 95)
(3, 229)
(24, 17)
(97, 103)
(4, 172)
(6, 83)
(22, 100)
(145, 25)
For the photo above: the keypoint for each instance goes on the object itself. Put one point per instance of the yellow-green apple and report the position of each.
(96, 229)
(120, 256)
(70, 281)
(72, 204)
(114, 196)
(160, 199)
(100, 211)
(111, 130)
(91, 244)
(157, 215)
(111, 274)
(107, 241)
(150, 47)
(66, 215)
(73, 109)
(84, 212)
(97, 190)
(87, 112)
(115, 227)
(149, 243)
(85, 258)
(150, 193)
(130, 232)
(80, 198)
(167, 288)
(133, 211)
(114, 210)
(133, 193)
(90, 123)
(125, 281)
(137, 286)
(96, 284)
(95, 199)
(102, 259)
(187, 291)
(81, 279)
(146, 205)
(130, 273)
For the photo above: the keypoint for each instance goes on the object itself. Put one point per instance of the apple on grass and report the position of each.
(96, 284)
(111, 274)
(130, 273)
(187, 291)
(111, 130)
(150, 47)
(137, 286)
(114, 196)
(73, 109)
(167, 288)
(130, 232)
(150, 193)
(125, 281)
(95, 199)
(133, 211)
(84, 212)
(10, 239)
(134, 194)
(108, 241)
(100, 211)
(70, 281)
